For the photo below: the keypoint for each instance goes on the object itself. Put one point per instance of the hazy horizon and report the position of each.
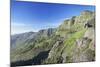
(34, 16)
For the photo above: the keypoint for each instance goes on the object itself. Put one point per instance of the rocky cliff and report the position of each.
(72, 41)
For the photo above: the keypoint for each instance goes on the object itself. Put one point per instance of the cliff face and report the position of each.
(72, 41)
(78, 43)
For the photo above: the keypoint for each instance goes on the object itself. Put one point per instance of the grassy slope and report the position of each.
(68, 46)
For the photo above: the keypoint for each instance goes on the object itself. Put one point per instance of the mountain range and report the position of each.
(72, 41)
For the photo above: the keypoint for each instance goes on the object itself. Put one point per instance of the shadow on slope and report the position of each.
(35, 61)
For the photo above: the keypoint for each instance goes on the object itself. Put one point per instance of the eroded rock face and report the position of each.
(82, 48)
(85, 45)
(72, 41)
(53, 50)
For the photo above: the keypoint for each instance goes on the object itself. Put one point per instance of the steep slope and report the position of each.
(72, 41)
(78, 43)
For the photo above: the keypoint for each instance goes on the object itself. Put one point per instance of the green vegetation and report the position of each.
(70, 42)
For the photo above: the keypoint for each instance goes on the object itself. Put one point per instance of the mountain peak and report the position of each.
(86, 12)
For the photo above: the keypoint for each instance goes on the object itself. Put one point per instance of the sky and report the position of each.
(34, 16)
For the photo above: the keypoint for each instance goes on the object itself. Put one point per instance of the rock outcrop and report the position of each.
(72, 41)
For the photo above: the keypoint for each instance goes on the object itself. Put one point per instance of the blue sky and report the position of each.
(33, 16)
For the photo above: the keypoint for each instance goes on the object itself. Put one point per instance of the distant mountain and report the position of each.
(21, 39)
(73, 41)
